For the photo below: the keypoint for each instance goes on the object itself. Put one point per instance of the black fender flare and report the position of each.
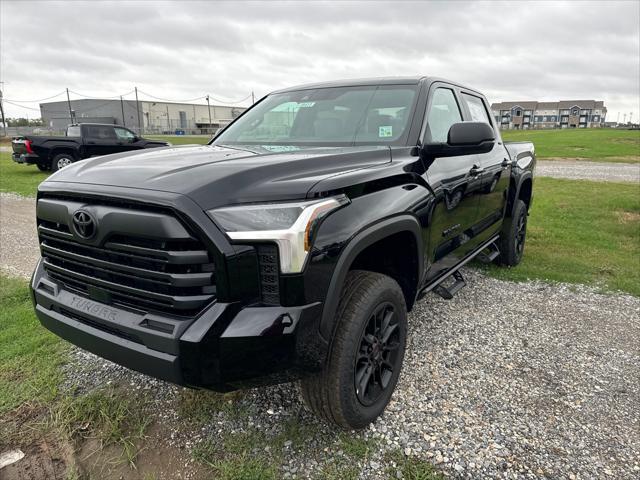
(363, 239)
(515, 190)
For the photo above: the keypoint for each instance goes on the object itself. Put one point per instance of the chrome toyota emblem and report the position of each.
(84, 224)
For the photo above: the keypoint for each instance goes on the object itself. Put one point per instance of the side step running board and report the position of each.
(489, 254)
(448, 292)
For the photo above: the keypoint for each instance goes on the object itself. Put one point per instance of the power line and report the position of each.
(168, 100)
(234, 102)
(10, 102)
(115, 97)
(40, 100)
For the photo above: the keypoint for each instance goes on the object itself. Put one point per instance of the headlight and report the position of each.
(290, 225)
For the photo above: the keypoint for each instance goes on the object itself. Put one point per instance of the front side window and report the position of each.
(124, 134)
(443, 112)
(476, 108)
(377, 115)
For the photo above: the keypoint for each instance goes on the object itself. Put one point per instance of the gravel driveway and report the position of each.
(581, 170)
(507, 380)
(18, 236)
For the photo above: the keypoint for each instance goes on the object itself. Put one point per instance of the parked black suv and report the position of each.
(290, 247)
(82, 140)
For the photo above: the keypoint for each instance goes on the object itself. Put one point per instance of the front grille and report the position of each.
(143, 259)
(269, 279)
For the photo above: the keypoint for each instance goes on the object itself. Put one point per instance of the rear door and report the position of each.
(494, 171)
(99, 140)
(455, 209)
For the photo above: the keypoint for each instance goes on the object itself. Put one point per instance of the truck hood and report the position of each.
(217, 175)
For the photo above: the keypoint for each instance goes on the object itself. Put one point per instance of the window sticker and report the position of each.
(306, 104)
(280, 148)
(385, 131)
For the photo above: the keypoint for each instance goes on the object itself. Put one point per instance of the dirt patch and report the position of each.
(48, 457)
(156, 459)
(625, 217)
(44, 460)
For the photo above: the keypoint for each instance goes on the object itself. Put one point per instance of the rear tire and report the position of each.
(367, 351)
(513, 236)
(62, 160)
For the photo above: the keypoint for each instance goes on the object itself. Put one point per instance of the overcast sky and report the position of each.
(183, 50)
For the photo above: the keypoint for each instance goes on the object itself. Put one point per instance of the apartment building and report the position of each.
(562, 114)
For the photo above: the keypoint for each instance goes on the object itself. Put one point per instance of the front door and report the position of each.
(127, 140)
(494, 173)
(455, 185)
(99, 140)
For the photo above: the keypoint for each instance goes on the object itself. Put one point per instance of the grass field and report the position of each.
(20, 179)
(582, 232)
(596, 144)
(182, 139)
(29, 355)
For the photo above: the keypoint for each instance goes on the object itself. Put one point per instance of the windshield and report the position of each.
(365, 115)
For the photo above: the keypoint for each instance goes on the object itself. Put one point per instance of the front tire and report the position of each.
(513, 236)
(362, 370)
(62, 160)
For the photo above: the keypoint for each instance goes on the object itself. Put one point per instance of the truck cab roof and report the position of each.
(401, 80)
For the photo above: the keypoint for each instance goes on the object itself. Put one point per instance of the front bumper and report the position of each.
(28, 158)
(224, 348)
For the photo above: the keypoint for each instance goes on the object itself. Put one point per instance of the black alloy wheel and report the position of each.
(358, 379)
(378, 354)
(521, 233)
(513, 236)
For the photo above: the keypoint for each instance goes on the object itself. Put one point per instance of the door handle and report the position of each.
(91, 143)
(476, 170)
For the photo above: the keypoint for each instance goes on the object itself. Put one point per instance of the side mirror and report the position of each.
(464, 138)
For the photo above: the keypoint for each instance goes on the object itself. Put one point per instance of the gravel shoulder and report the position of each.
(586, 170)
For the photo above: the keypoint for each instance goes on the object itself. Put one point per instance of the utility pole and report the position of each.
(124, 122)
(140, 132)
(69, 105)
(630, 116)
(624, 119)
(209, 108)
(253, 98)
(4, 124)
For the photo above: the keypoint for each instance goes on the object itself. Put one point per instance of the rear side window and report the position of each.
(476, 108)
(73, 131)
(100, 132)
(443, 112)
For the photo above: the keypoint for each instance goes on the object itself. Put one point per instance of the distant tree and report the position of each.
(24, 122)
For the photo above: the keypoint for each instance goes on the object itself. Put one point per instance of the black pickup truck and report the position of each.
(82, 141)
(291, 246)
